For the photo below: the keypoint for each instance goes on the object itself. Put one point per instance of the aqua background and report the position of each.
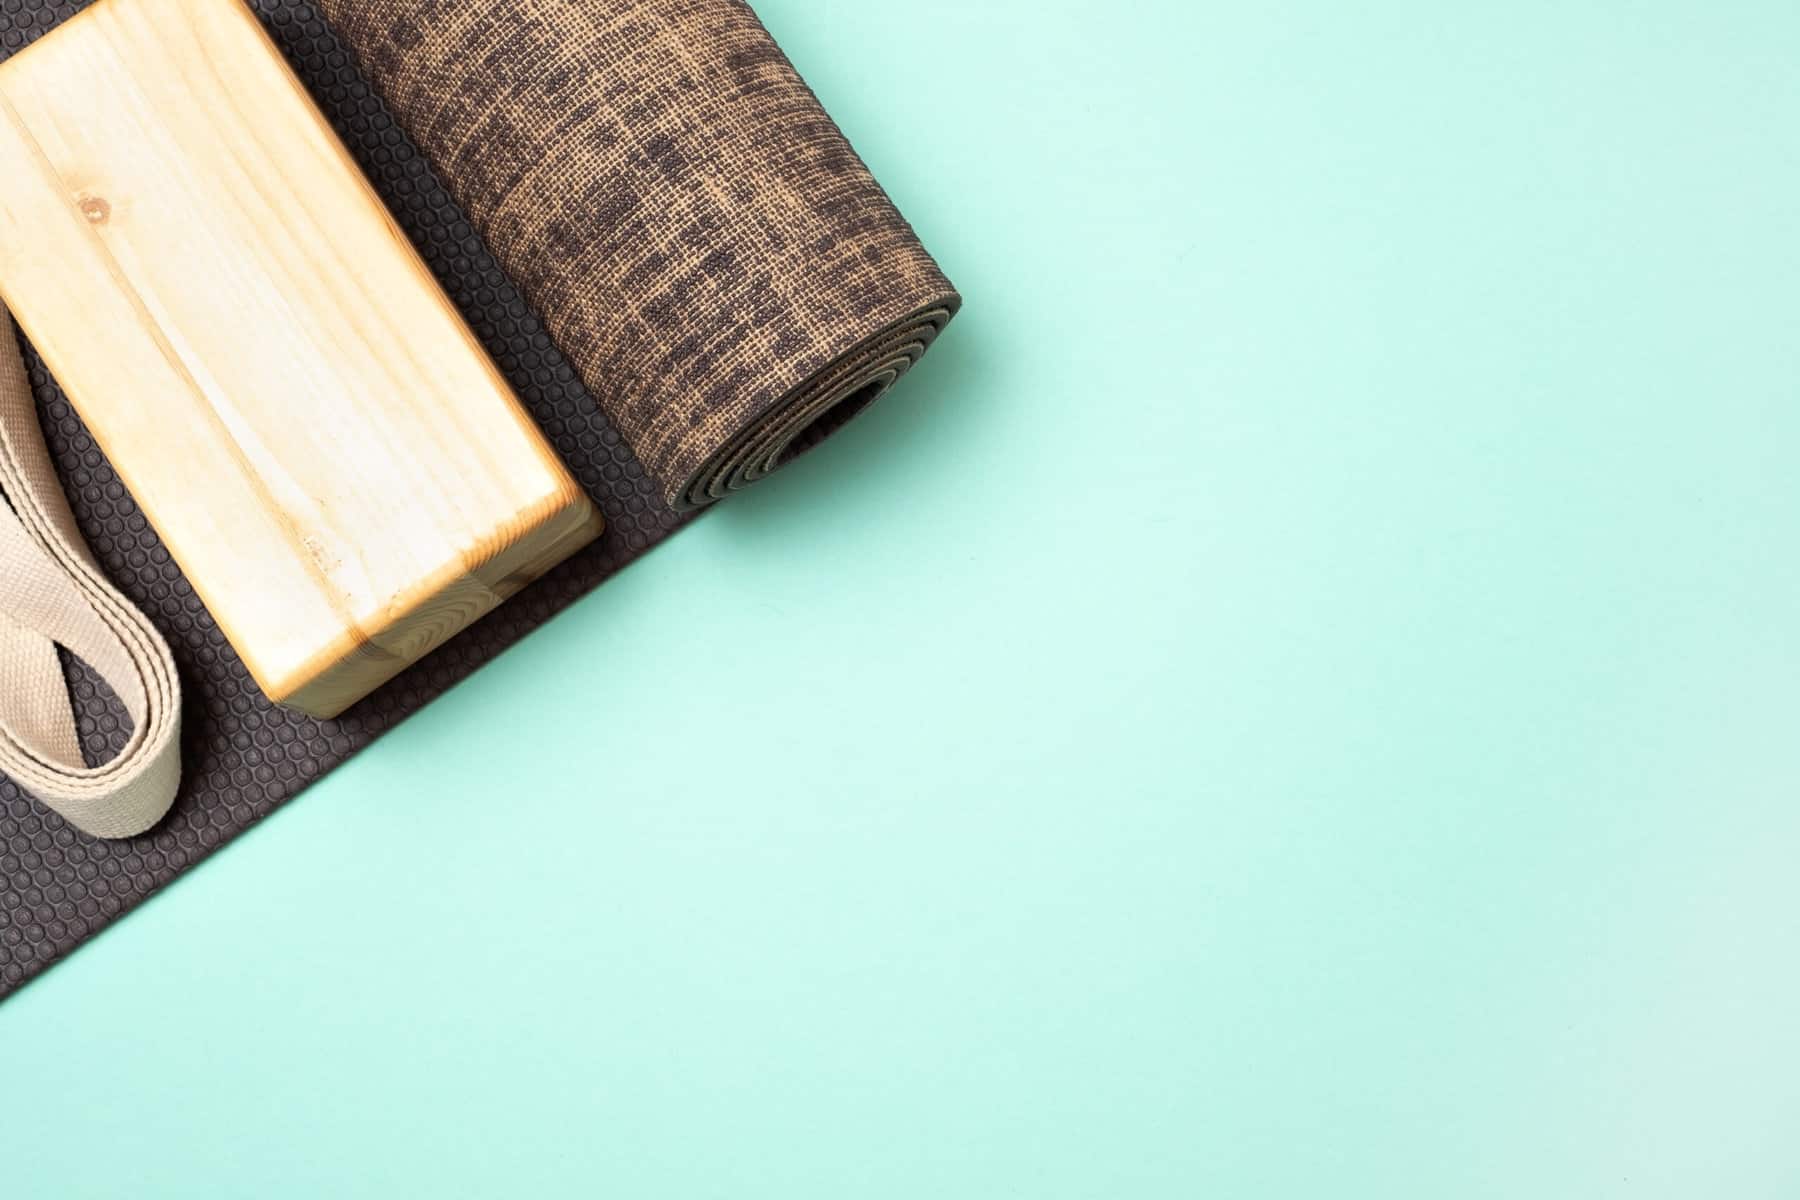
(1296, 698)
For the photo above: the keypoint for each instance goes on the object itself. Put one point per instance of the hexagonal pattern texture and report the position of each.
(243, 756)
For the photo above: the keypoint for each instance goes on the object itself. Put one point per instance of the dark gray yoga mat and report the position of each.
(243, 756)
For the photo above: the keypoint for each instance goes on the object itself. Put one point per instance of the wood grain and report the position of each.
(292, 400)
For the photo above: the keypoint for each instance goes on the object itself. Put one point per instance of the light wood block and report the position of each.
(293, 401)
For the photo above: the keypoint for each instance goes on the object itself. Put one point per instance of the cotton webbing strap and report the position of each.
(52, 593)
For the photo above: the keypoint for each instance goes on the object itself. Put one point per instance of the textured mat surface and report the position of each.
(244, 757)
(697, 234)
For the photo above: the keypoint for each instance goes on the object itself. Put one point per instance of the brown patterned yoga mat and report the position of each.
(665, 243)
(698, 236)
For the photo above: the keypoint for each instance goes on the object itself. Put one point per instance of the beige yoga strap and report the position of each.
(53, 593)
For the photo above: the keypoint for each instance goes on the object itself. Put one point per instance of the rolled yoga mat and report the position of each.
(668, 247)
(670, 197)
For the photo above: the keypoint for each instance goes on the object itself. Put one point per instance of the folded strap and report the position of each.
(52, 593)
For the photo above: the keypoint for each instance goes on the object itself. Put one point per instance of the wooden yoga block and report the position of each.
(318, 438)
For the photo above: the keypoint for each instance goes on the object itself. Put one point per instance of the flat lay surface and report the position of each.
(1293, 696)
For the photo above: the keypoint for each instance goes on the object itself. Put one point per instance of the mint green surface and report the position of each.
(1298, 696)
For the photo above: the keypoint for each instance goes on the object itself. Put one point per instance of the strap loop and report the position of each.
(53, 593)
